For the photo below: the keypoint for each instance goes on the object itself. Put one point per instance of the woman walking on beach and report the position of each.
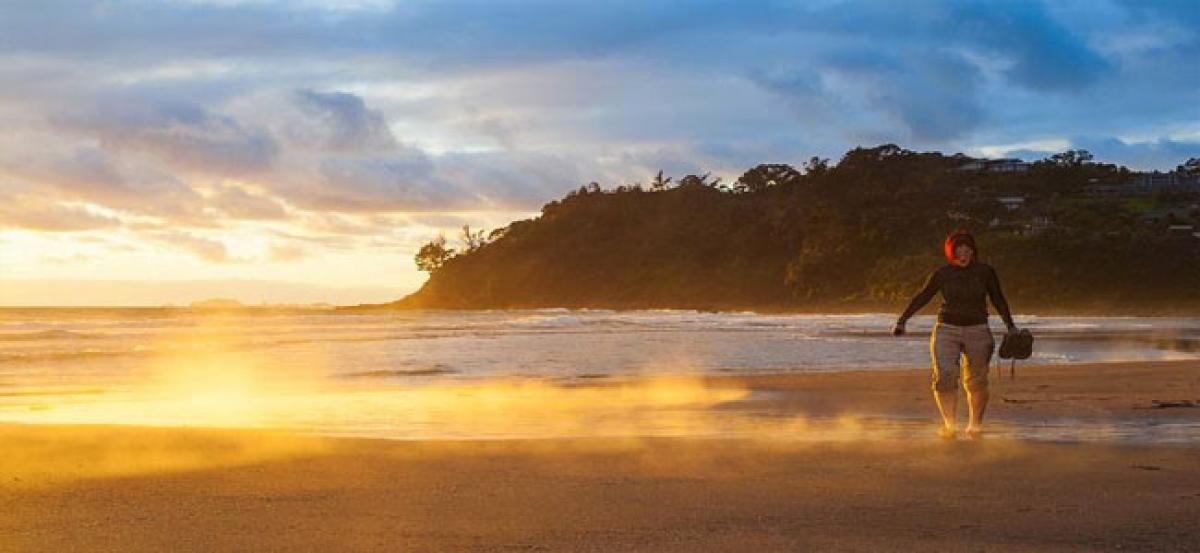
(961, 332)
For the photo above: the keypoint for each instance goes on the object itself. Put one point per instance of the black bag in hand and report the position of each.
(1017, 345)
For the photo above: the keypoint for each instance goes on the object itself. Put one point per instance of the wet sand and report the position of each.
(1155, 391)
(143, 489)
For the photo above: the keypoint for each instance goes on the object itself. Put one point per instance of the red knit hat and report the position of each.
(954, 239)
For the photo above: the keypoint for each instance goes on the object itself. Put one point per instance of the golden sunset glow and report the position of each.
(558, 275)
(338, 259)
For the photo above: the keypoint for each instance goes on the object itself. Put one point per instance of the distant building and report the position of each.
(1012, 202)
(1109, 190)
(1005, 165)
(1038, 225)
(1146, 183)
(1157, 181)
(1008, 166)
(1181, 230)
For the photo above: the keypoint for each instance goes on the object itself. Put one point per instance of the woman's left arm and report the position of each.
(993, 289)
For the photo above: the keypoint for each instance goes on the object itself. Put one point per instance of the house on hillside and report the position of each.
(1011, 202)
(1168, 182)
(1037, 225)
(1181, 231)
(1109, 190)
(1005, 165)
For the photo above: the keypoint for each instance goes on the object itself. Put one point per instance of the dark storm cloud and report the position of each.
(1045, 54)
(933, 95)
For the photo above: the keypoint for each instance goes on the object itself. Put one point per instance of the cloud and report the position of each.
(143, 292)
(508, 181)
(1162, 153)
(956, 63)
(339, 121)
(187, 137)
(237, 203)
(334, 139)
(1164, 11)
(441, 221)
(34, 213)
(931, 97)
(393, 183)
(61, 166)
(285, 252)
(90, 174)
(1045, 54)
(411, 180)
(336, 225)
(327, 127)
(206, 249)
(73, 259)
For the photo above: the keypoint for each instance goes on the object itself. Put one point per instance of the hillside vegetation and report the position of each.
(861, 233)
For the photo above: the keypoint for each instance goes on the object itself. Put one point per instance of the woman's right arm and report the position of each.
(931, 287)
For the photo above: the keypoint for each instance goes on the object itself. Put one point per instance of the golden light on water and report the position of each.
(208, 390)
(210, 379)
(210, 393)
(206, 395)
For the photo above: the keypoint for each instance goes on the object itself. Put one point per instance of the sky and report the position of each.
(300, 151)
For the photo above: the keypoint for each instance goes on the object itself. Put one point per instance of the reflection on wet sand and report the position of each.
(1092, 403)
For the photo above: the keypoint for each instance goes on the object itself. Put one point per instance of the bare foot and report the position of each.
(946, 432)
(974, 432)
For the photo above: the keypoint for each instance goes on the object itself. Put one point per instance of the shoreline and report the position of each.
(1165, 310)
(1112, 401)
(1173, 310)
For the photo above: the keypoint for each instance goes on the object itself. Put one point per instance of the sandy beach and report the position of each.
(109, 488)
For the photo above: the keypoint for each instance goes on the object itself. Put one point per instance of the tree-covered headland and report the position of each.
(1066, 234)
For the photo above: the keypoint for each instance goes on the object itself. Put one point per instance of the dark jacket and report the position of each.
(964, 293)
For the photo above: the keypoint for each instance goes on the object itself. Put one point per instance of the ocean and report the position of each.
(418, 374)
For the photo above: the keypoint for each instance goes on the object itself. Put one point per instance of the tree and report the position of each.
(889, 150)
(765, 176)
(816, 166)
(1070, 158)
(1191, 167)
(472, 240)
(697, 180)
(659, 183)
(867, 231)
(865, 158)
(433, 255)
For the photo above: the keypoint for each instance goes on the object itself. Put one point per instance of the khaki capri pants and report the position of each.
(961, 350)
